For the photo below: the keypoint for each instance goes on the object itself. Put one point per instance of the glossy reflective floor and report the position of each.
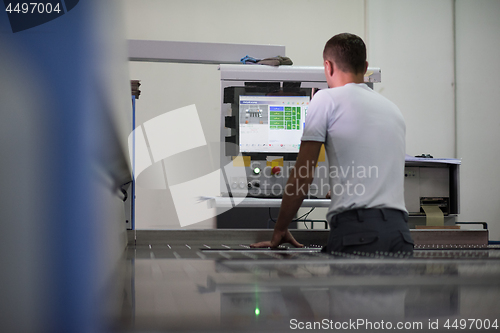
(227, 287)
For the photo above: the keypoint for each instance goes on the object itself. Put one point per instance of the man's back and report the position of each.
(364, 135)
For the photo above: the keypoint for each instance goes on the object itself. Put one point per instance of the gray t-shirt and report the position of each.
(364, 136)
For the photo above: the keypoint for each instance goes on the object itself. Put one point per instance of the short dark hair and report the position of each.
(348, 51)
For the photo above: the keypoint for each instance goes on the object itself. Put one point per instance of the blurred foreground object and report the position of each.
(66, 114)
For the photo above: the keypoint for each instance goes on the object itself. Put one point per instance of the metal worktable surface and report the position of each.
(216, 283)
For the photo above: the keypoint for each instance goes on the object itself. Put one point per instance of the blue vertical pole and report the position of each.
(133, 164)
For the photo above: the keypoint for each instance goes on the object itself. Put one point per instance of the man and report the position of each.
(364, 137)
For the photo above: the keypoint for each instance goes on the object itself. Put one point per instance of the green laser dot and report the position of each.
(257, 311)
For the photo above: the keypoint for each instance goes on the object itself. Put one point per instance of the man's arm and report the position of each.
(295, 191)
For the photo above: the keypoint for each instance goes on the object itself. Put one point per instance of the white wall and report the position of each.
(297, 24)
(478, 110)
(412, 42)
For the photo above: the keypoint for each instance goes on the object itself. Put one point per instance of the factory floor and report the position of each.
(220, 285)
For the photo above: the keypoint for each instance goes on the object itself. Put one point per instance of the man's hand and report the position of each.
(296, 189)
(278, 239)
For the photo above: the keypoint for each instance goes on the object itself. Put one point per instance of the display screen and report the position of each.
(271, 124)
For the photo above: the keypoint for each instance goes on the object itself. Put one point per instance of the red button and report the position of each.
(275, 170)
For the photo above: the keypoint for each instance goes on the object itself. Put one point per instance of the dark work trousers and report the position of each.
(361, 231)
